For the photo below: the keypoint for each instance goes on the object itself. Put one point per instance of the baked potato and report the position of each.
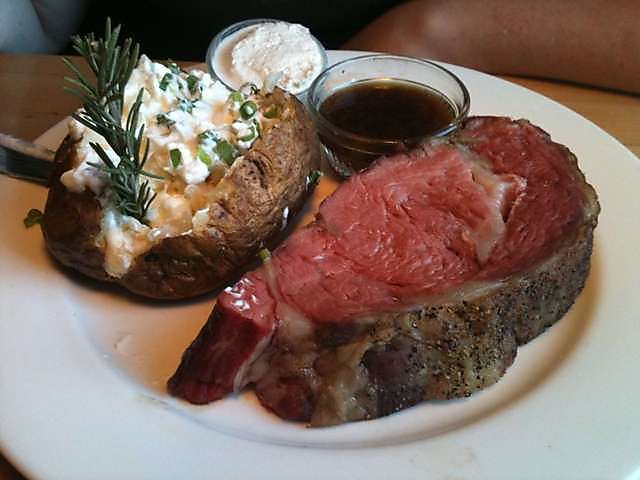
(236, 211)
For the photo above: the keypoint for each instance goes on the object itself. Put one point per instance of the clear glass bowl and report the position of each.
(348, 152)
(215, 50)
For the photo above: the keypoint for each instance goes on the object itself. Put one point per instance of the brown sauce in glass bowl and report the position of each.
(392, 114)
(388, 109)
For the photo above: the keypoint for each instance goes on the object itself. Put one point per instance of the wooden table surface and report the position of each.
(33, 100)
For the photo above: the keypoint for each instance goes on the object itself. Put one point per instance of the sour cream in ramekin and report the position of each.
(266, 53)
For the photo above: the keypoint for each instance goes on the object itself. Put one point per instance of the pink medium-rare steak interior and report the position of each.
(492, 202)
(552, 202)
(415, 225)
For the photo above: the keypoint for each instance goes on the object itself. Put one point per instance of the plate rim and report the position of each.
(19, 460)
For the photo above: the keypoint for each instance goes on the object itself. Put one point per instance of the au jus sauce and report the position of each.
(393, 114)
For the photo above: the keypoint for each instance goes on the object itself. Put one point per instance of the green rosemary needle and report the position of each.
(103, 102)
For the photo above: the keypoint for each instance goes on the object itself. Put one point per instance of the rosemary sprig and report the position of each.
(129, 195)
(111, 64)
(103, 103)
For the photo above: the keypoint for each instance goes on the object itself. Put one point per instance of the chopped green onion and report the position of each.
(248, 109)
(265, 255)
(192, 83)
(176, 157)
(249, 136)
(314, 178)
(204, 157)
(174, 68)
(249, 88)
(274, 111)
(186, 105)
(207, 135)
(236, 97)
(33, 217)
(164, 83)
(226, 152)
(163, 119)
(256, 123)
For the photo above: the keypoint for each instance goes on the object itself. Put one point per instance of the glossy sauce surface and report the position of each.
(388, 109)
(388, 115)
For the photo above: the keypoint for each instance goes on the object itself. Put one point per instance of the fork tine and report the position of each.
(25, 160)
(26, 148)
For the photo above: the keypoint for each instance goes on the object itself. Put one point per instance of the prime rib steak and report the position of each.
(418, 280)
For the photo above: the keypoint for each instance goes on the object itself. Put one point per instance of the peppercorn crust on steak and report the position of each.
(418, 280)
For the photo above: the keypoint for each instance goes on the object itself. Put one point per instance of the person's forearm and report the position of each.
(20, 28)
(590, 41)
(38, 25)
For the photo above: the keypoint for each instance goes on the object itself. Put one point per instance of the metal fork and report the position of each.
(25, 160)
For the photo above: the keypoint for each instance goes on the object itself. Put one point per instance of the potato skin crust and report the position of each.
(71, 221)
(247, 210)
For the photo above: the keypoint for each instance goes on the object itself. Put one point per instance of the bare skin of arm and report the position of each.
(38, 26)
(595, 42)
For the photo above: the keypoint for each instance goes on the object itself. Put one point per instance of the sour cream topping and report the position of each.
(277, 51)
(196, 129)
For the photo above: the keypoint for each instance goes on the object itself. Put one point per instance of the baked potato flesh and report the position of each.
(197, 234)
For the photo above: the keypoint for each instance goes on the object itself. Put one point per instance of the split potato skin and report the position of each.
(248, 209)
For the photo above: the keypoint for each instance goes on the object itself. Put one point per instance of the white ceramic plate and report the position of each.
(83, 366)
